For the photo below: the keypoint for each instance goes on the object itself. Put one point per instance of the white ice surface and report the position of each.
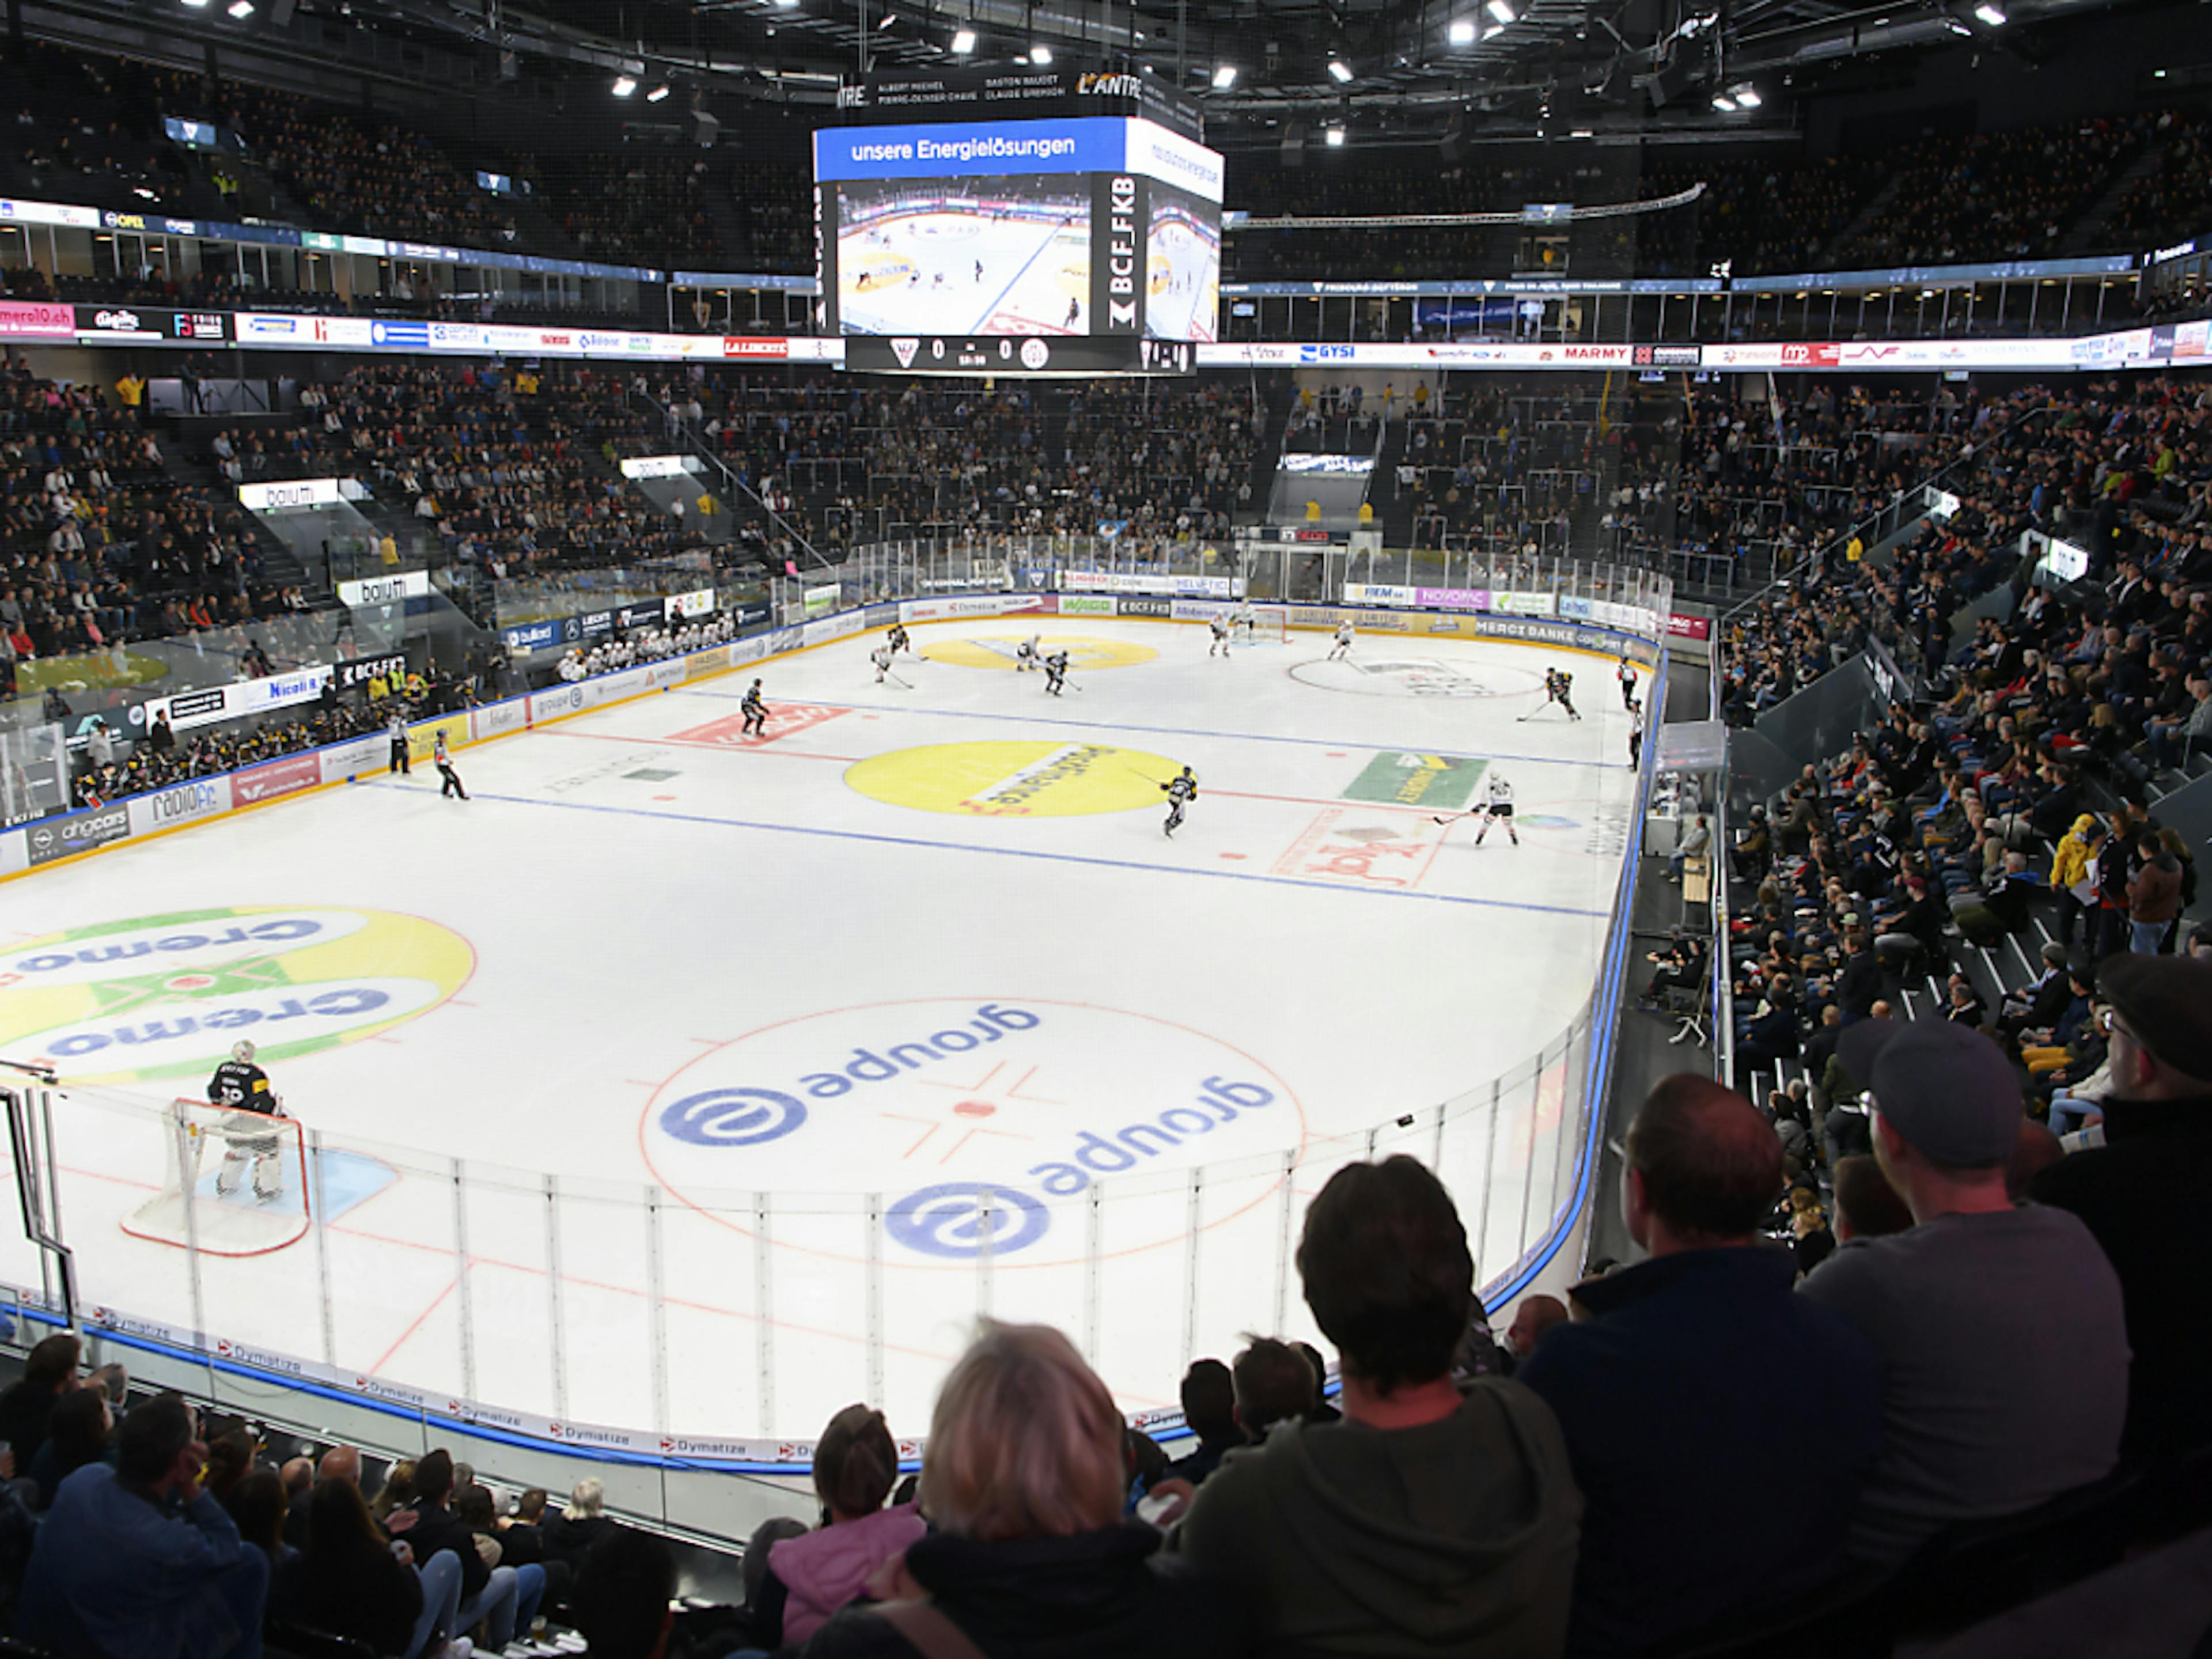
(639, 941)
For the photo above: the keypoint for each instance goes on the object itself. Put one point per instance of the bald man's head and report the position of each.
(1536, 1314)
(1707, 1165)
(342, 1464)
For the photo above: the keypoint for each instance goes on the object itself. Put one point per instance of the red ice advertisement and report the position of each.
(783, 720)
(283, 777)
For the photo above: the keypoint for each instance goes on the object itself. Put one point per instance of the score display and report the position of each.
(1090, 230)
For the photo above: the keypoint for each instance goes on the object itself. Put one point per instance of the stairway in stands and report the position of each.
(2087, 236)
(1268, 458)
(1877, 207)
(1394, 507)
(186, 457)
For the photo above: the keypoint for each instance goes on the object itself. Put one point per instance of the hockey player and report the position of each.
(395, 733)
(443, 760)
(1026, 656)
(1343, 645)
(1498, 807)
(881, 656)
(241, 1089)
(1626, 675)
(1635, 735)
(755, 712)
(1055, 672)
(1559, 687)
(979, 270)
(1242, 624)
(898, 640)
(1218, 626)
(1180, 792)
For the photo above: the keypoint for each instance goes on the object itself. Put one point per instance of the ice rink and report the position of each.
(957, 273)
(786, 1055)
(1185, 266)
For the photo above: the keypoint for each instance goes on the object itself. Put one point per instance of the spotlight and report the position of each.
(889, 18)
(1722, 102)
(624, 84)
(1335, 136)
(1747, 98)
(1990, 15)
(1501, 11)
(657, 94)
(1956, 27)
(1339, 70)
(1225, 77)
(963, 42)
(1461, 31)
(196, 4)
(240, 9)
(1041, 56)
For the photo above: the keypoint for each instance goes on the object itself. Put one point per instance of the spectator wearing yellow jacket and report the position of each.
(2070, 868)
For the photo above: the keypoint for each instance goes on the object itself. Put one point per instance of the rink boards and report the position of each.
(1311, 845)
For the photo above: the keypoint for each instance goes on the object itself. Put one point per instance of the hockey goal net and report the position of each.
(235, 1184)
(1269, 624)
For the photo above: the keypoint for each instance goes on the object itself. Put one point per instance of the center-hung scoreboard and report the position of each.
(1026, 223)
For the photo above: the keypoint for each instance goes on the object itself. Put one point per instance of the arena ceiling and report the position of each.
(1631, 67)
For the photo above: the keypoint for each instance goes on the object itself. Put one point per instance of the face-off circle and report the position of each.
(1037, 778)
(984, 1125)
(1407, 676)
(167, 995)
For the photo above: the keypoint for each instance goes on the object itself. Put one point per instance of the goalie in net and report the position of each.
(236, 1181)
(1260, 624)
(239, 1089)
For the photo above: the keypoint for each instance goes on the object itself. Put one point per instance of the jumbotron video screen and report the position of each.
(943, 239)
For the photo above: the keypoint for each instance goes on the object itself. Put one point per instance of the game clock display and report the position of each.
(1026, 355)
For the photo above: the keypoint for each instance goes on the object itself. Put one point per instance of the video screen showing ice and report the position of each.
(1009, 254)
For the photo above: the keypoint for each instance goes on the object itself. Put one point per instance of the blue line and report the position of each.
(1124, 726)
(1051, 236)
(1027, 852)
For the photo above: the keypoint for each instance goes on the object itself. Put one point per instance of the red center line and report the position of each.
(704, 748)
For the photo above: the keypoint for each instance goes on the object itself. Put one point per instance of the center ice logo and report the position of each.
(1408, 677)
(167, 995)
(974, 1122)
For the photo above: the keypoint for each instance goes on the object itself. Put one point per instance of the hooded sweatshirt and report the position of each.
(822, 1570)
(1458, 1537)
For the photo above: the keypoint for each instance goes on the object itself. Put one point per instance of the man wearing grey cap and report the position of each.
(2143, 1192)
(2004, 1347)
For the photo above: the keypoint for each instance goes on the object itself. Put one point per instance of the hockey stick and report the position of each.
(894, 679)
(1454, 818)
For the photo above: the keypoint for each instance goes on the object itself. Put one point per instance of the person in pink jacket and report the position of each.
(810, 1578)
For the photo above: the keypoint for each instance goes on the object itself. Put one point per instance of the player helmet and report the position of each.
(242, 1053)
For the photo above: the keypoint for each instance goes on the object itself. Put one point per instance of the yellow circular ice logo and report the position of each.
(167, 995)
(1036, 779)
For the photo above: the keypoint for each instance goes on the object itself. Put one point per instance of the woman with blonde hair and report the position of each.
(810, 1576)
(1024, 1481)
(569, 1535)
